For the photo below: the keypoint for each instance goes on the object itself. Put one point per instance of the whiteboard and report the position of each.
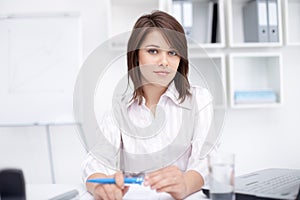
(39, 61)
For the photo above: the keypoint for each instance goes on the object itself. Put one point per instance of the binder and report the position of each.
(273, 21)
(209, 21)
(214, 23)
(183, 12)
(255, 18)
(177, 11)
(188, 17)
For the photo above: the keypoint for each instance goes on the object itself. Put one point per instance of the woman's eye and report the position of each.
(172, 53)
(152, 51)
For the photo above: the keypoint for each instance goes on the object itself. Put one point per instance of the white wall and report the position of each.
(261, 138)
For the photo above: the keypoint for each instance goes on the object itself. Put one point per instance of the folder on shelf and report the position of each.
(209, 21)
(256, 96)
(255, 18)
(188, 17)
(214, 23)
(273, 21)
(177, 11)
(183, 12)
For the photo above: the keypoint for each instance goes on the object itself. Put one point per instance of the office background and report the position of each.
(260, 137)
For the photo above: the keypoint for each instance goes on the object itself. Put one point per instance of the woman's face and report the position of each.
(157, 60)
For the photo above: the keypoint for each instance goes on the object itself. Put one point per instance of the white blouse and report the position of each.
(174, 136)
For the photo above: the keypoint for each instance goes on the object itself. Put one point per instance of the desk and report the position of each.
(136, 192)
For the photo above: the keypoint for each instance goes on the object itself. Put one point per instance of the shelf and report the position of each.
(237, 23)
(255, 72)
(120, 21)
(196, 16)
(211, 67)
(292, 22)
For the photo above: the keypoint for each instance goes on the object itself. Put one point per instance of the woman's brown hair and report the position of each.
(174, 34)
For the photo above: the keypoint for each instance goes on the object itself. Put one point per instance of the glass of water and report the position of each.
(221, 176)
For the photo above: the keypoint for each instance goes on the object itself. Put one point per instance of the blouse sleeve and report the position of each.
(99, 159)
(203, 121)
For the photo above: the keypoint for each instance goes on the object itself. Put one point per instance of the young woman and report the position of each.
(168, 152)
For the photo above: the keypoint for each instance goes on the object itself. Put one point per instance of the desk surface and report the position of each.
(136, 192)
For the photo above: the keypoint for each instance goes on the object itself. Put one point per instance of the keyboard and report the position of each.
(267, 184)
(279, 184)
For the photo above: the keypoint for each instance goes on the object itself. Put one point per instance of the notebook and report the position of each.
(274, 183)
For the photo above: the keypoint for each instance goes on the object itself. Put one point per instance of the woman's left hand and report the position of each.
(169, 179)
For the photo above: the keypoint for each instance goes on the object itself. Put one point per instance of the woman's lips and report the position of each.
(162, 73)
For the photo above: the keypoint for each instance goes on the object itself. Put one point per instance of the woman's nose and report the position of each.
(164, 59)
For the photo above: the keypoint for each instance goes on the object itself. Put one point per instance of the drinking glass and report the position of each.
(221, 176)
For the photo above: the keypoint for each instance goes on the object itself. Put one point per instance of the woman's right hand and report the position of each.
(108, 191)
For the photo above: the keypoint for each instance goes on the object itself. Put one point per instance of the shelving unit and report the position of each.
(248, 71)
(211, 69)
(236, 25)
(200, 15)
(255, 72)
(292, 22)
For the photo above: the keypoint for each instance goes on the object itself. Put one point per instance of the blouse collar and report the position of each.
(170, 93)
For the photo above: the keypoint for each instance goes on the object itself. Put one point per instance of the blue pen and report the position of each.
(133, 180)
